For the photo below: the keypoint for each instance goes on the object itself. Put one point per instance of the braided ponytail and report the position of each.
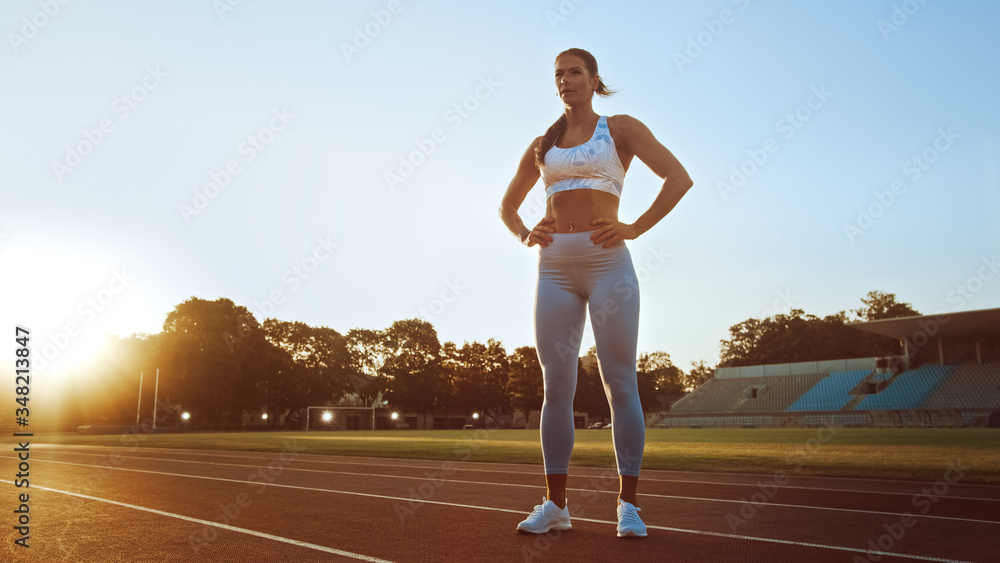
(556, 130)
(552, 134)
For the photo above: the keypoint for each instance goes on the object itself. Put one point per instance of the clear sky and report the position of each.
(359, 151)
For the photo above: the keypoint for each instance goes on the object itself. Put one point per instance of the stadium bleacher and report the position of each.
(908, 389)
(970, 386)
(831, 393)
(776, 393)
(746, 394)
(928, 396)
(945, 373)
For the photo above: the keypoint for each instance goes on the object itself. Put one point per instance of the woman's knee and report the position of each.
(622, 390)
(559, 391)
(558, 396)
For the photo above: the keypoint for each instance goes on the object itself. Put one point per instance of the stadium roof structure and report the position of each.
(952, 324)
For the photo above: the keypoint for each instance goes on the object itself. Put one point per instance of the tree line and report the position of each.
(218, 363)
(798, 337)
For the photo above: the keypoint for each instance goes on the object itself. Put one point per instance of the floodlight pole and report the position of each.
(138, 409)
(156, 395)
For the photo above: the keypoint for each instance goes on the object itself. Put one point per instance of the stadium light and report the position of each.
(327, 416)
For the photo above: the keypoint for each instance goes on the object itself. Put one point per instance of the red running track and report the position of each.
(112, 504)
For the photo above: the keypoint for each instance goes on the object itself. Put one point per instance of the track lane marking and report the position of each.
(370, 460)
(474, 507)
(891, 493)
(263, 535)
(652, 495)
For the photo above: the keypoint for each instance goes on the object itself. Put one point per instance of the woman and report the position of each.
(582, 160)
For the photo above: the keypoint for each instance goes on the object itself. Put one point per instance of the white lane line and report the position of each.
(272, 537)
(509, 511)
(379, 461)
(645, 495)
(368, 461)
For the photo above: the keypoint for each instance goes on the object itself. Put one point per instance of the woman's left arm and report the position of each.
(638, 140)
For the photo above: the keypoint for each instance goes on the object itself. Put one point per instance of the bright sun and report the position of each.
(70, 303)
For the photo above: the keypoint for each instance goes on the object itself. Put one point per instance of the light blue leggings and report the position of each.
(573, 271)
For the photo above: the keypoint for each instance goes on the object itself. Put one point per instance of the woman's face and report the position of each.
(574, 83)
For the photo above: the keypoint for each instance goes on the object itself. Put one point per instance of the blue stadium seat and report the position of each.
(831, 393)
(908, 390)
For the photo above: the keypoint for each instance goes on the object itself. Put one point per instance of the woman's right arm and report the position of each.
(524, 179)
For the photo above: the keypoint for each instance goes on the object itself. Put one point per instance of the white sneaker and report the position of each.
(545, 517)
(629, 523)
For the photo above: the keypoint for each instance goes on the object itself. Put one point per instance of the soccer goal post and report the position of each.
(340, 418)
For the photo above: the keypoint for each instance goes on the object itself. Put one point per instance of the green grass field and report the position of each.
(907, 453)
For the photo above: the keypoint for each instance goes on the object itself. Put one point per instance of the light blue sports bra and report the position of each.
(593, 165)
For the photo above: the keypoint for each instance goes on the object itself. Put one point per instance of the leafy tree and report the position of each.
(457, 390)
(666, 377)
(879, 305)
(479, 377)
(798, 337)
(413, 366)
(791, 337)
(213, 359)
(497, 376)
(700, 373)
(368, 352)
(591, 397)
(320, 364)
(524, 384)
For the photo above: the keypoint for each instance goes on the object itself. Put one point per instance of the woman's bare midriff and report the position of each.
(573, 210)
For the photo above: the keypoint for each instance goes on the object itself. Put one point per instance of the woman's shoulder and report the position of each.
(625, 129)
(622, 123)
